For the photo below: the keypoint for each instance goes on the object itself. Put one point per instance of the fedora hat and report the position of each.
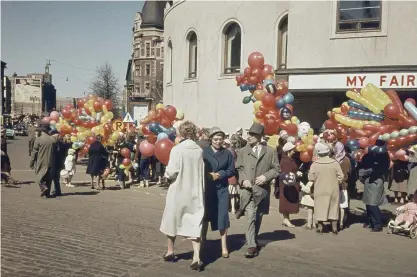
(257, 129)
(216, 130)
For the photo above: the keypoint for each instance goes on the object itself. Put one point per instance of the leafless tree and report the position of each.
(106, 85)
(157, 89)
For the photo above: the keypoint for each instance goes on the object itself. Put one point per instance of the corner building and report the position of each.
(322, 48)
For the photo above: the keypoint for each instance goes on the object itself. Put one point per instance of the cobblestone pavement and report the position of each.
(115, 233)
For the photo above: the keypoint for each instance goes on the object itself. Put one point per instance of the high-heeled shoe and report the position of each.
(319, 231)
(198, 266)
(170, 258)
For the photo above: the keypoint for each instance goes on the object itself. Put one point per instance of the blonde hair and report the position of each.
(188, 130)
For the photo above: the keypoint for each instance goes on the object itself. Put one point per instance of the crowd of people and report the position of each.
(212, 174)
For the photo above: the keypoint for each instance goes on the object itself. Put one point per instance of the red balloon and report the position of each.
(81, 102)
(78, 122)
(310, 150)
(267, 70)
(125, 152)
(411, 138)
(247, 72)
(152, 138)
(160, 113)
(98, 106)
(146, 149)
(257, 72)
(239, 79)
(344, 109)
(163, 150)
(256, 60)
(66, 113)
(411, 100)
(259, 86)
(289, 106)
(126, 162)
(68, 106)
(330, 124)
(264, 109)
(165, 122)
(371, 128)
(146, 131)
(391, 111)
(92, 97)
(305, 157)
(109, 104)
(253, 80)
(392, 94)
(363, 142)
(268, 100)
(170, 112)
(292, 129)
(90, 139)
(259, 115)
(373, 138)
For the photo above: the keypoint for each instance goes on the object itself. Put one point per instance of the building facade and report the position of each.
(322, 48)
(144, 76)
(61, 102)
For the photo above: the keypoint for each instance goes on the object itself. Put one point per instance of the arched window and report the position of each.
(282, 43)
(192, 55)
(232, 45)
(170, 59)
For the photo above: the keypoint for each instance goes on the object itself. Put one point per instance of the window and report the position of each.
(136, 53)
(282, 43)
(162, 69)
(148, 69)
(137, 90)
(192, 55)
(232, 45)
(142, 52)
(147, 86)
(153, 52)
(357, 16)
(136, 72)
(158, 52)
(170, 60)
(137, 26)
(162, 51)
(140, 70)
(148, 49)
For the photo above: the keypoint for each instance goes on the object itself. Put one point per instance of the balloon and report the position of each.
(125, 152)
(285, 113)
(392, 94)
(353, 144)
(246, 99)
(170, 112)
(54, 115)
(154, 127)
(162, 136)
(257, 105)
(292, 129)
(159, 106)
(256, 60)
(247, 72)
(305, 157)
(411, 108)
(330, 124)
(109, 104)
(81, 102)
(163, 149)
(146, 149)
(268, 100)
(288, 98)
(239, 79)
(98, 107)
(280, 103)
(267, 70)
(358, 98)
(391, 111)
(126, 162)
(258, 94)
(91, 139)
(364, 142)
(66, 113)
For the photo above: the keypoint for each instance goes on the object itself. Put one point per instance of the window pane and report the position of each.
(347, 26)
(232, 48)
(371, 25)
(158, 52)
(357, 10)
(142, 52)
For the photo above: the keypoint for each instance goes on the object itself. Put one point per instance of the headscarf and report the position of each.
(339, 150)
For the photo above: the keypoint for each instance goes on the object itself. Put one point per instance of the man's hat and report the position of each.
(257, 128)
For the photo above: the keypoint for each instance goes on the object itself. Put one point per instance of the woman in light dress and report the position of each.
(184, 208)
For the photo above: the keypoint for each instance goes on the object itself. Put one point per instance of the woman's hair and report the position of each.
(234, 142)
(188, 130)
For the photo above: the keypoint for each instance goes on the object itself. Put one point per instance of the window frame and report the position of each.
(226, 68)
(282, 21)
(146, 69)
(192, 55)
(147, 49)
(358, 22)
(147, 83)
(170, 59)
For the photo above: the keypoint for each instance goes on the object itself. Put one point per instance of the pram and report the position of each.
(411, 230)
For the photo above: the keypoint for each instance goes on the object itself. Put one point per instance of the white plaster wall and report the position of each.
(312, 43)
(213, 99)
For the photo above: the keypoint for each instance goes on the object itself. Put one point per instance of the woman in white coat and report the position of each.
(184, 208)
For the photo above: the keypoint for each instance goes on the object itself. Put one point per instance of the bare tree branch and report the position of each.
(157, 89)
(106, 85)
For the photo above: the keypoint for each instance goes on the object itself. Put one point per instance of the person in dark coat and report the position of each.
(32, 136)
(97, 162)
(143, 162)
(256, 165)
(42, 159)
(61, 152)
(372, 173)
(400, 174)
(288, 195)
(219, 167)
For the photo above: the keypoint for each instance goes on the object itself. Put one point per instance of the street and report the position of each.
(116, 233)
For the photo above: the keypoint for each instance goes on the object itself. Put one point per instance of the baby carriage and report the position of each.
(399, 228)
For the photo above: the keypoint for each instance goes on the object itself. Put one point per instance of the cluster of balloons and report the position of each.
(373, 114)
(273, 104)
(92, 117)
(127, 161)
(160, 128)
(306, 145)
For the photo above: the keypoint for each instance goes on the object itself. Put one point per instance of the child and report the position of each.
(308, 201)
(409, 213)
(69, 169)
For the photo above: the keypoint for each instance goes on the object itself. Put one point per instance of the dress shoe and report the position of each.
(375, 230)
(198, 266)
(170, 258)
(251, 253)
(44, 191)
(367, 226)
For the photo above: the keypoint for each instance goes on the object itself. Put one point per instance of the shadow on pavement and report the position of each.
(81, 184)
(266, 238)
(359, 216)
(81, 193)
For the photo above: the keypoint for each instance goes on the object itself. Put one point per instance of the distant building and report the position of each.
(3, 89)
(144, 76)
(61, 102)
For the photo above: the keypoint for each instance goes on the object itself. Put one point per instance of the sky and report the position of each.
(77, 37)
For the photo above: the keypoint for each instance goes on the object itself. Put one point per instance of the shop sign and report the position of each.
(348, 81)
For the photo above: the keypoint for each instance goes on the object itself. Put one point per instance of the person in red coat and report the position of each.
(288, 194)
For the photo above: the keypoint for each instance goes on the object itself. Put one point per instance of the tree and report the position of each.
(157, 89)
(106, 86)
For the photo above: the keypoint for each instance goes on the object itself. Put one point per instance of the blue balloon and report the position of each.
(288, 98)
(252, 87)
(171, 131)
(280, 103)
(353, 144)
(161, 136)
(154, 127)
(243, 87)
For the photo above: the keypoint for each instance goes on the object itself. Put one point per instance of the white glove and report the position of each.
(299, 174)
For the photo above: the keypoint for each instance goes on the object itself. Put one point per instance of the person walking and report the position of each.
(42, 159)
(412, 180)
(184, 208)
(400, 174)
(32, 136)
(256, 165)
(345, 164)
(143, 172)
(219, 167)
(326, 175)
(61, 149)
(97, 162)
(288, 195)
(373, 171)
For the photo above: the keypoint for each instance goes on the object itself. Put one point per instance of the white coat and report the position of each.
(69, 166)
(184, 208)
(306, 192)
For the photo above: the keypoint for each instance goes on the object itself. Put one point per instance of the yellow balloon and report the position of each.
(258, 94)
(255, 120)
(294, 119)
(354, 96)
(73, 139)
(109, 115)
(105, 109)
(159, 106)
(180, 115)
(257, 105)
(115, 136)
(81, 136)
(98, 130)
(287, 122)
(87, 133)
(58, 126)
